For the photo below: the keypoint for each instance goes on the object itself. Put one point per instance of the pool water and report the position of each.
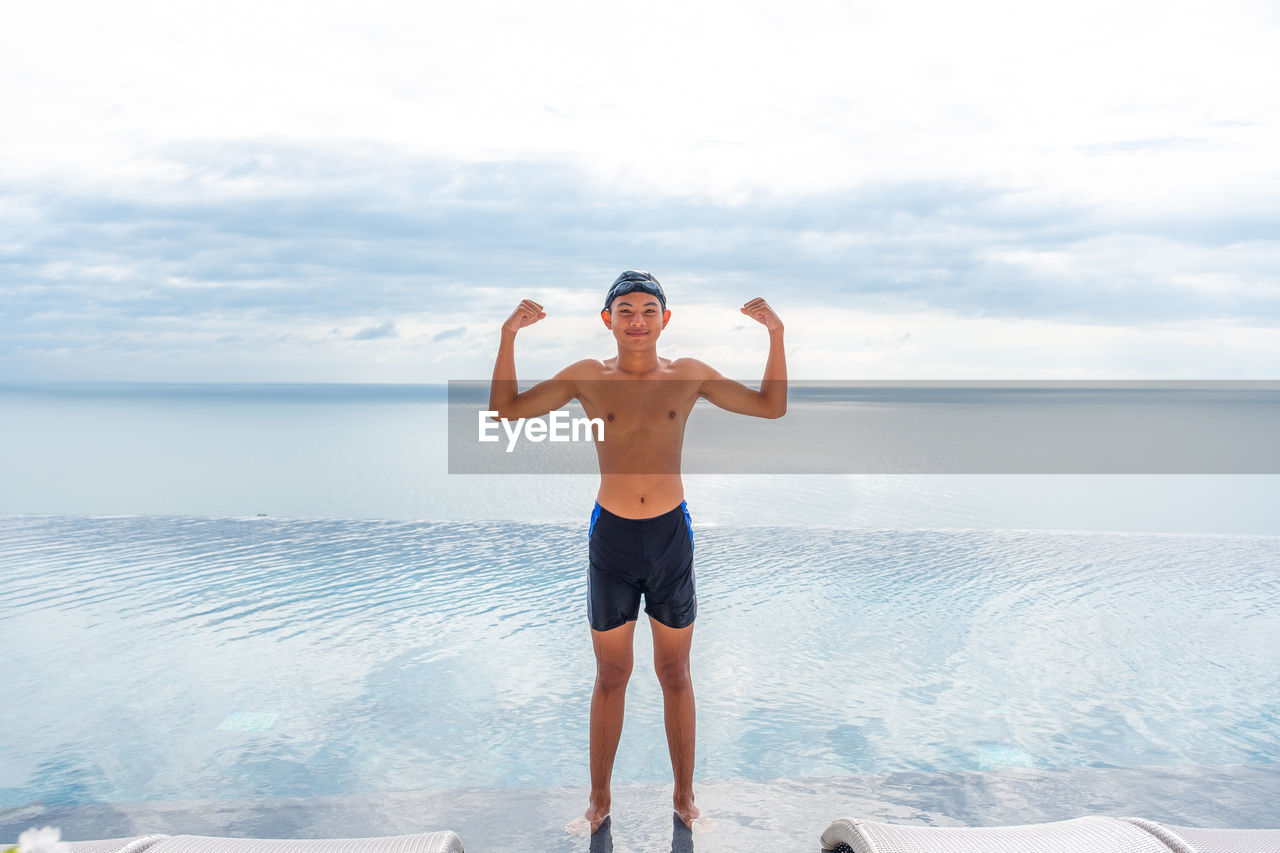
(190, 658)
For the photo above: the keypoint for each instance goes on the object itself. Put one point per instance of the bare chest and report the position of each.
(640, 405)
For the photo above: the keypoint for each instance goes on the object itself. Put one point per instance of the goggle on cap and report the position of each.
(631, 281)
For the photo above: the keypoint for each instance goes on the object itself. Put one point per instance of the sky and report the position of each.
(341, 192)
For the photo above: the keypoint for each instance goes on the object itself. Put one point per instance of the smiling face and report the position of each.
(636, 319)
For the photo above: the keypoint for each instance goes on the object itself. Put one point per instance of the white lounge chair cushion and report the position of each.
(1081, 835)
(134, 844)
(1201, 840)
(430, 842)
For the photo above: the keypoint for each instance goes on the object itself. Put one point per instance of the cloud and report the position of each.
(252, 234)
(372, 333)
(907, 157)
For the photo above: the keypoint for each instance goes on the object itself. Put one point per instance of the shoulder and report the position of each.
(587, 368)
(692, 368)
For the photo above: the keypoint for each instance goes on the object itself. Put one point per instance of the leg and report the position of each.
(671, 661)
(613, 669)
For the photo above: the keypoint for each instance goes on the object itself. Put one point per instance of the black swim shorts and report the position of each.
(631, 557)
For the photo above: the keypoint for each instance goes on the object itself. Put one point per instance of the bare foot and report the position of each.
(691, 817)
(589, 823)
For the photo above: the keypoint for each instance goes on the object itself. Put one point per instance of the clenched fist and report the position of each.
(759, 310)
(526, 314)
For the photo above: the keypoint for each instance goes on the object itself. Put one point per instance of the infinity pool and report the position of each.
(160, 658)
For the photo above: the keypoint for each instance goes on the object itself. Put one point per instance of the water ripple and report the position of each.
(400, 653)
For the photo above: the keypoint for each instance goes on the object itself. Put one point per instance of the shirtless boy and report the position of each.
(641, 538)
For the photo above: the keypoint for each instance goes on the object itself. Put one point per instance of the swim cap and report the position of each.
(631, 281)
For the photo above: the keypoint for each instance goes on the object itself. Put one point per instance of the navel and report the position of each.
(609, 416)
(671, 414)
(642, 499)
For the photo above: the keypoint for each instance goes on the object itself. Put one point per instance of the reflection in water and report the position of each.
(778, 815)
(681, 835)
(602, 838)
(419, 652)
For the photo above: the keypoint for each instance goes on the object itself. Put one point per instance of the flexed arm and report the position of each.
(773, 387)
(504, 394)
(771, 400)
